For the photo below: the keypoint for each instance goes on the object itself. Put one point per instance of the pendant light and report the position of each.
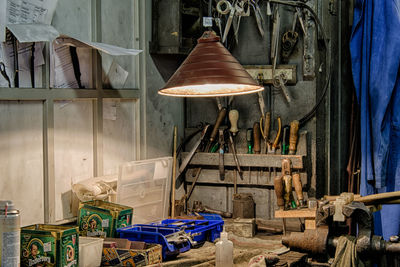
(210, 70)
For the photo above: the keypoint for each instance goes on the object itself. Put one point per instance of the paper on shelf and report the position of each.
(23, 12)
(116, 76)
(106, 48)
(26, 33)
(62, 70)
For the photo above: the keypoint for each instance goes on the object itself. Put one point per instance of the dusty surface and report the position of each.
(244, 250)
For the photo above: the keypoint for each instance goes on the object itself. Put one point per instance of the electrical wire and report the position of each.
(311, 113)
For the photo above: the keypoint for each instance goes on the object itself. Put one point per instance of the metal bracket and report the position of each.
(264, 73)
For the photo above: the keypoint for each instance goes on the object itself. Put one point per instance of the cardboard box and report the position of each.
(49, 245)
(101, 219)
(127, 253)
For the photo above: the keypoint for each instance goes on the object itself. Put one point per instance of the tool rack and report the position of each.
(210, 161)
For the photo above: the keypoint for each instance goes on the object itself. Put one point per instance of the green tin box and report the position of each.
(101, 219)
(49, 245)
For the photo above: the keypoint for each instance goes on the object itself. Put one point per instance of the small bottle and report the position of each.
(224, 251)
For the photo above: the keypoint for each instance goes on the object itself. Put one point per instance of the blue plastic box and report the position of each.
(155, 234)
(199, 230)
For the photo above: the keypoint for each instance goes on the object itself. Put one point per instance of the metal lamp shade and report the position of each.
(209, 71)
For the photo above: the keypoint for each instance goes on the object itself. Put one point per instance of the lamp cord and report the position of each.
(311, 113)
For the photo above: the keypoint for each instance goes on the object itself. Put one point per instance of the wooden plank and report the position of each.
(246, 160)
(300, 213)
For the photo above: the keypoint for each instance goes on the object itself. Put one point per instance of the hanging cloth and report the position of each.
(375, 55)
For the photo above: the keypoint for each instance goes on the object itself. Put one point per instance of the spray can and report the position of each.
(9, 234)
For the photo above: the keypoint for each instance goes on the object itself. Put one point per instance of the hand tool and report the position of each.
(285, 140)
(279, 81)
(287, 181)
(279, 192)
(272, 146)
(239, 13)
(229, 22)
(221, 155)
(233, 119)
(294, 129)
(174, 174)
(218, 121)
(189, 156)
(265, 124)
(256, 138)
(233, 149)
(257, 143)
(4, 73)
(300, 18)
(275, 39)
(249, 139)
(199, 207)
(269, 11)
(289, 41)
(298, 187)
(259, 18)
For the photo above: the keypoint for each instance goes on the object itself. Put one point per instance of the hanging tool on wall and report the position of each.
(272, 146)
(242, 10)
(298, 187)
(287, 181)
(294, 136)
(233, 119)
(221, 152)
(279, 192)
(257, 143)
(196, 172)
(285, 140)
(259, 17)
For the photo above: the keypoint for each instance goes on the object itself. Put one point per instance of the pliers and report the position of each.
(4, 73)
(272, 146)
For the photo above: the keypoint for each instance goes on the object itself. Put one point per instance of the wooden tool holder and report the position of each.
(256, 167)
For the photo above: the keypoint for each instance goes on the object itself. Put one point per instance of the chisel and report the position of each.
(294, 129)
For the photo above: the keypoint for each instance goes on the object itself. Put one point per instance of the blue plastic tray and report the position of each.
(211, 216)
(155, 234)
(200, 230)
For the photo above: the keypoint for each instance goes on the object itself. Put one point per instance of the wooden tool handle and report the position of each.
(257, 138)
(294, 129)
(218, 121)
(287, 181)
(267, 123)
(286, 164)
(278, 187)
(298, 187)
(233, 118)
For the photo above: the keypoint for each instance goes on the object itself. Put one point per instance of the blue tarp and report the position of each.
(375, 55)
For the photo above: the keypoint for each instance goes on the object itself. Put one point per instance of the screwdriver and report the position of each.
(285, 140)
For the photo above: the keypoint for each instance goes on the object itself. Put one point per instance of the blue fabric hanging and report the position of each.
(375, 55)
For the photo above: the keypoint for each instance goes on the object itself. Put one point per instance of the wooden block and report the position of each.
(300, 213)
(310, 223)
(242, 227)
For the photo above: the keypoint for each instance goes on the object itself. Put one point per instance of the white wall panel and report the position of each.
(21, 158)
(119, 132)
(73, 149)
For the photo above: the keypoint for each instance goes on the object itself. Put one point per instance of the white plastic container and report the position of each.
(144, 185)
(224, 251)
(90, 251)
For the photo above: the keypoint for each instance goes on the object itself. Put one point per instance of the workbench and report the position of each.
(244, 250)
